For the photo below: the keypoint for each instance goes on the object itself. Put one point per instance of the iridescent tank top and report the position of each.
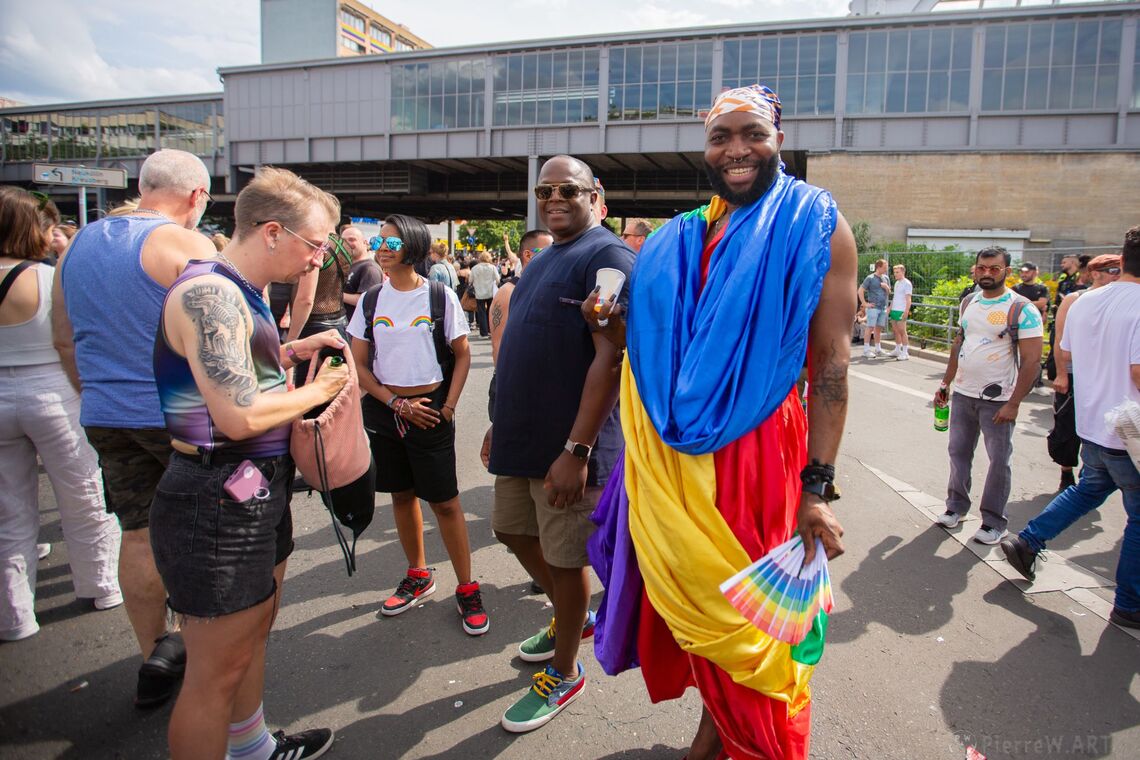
(187, 417)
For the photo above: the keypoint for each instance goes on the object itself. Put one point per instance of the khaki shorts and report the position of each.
(521, 510)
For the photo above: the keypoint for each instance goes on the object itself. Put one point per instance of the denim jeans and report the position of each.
(1104, 471)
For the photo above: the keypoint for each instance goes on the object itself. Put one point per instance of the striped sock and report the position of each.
(250, 739)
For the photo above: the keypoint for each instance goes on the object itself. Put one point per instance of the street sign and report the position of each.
(78, 176)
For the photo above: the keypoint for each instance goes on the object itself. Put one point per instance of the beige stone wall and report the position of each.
(1090, 197)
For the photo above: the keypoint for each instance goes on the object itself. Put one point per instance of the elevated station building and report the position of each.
(917, 115)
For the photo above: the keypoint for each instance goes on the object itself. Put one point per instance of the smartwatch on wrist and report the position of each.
(580, 450)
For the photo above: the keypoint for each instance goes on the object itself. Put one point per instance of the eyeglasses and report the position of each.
(393, 244)
(209, 200)
(625, 235)
(535, 251)
(566, 191)
(332, 245)
(979, 269)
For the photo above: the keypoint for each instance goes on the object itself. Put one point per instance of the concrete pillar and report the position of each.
(531, 202)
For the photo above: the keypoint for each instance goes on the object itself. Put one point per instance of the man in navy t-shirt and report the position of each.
(556, 435)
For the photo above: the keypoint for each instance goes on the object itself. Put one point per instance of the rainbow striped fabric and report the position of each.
(781, 595)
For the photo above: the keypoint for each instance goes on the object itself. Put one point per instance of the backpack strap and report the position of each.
(10, 278)
(1013, 327)
(962, 312)
(371, 297)
(443, 353)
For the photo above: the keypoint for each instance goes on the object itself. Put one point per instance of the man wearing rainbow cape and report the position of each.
(725, 303)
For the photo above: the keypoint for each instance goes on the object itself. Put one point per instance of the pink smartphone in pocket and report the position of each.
(247, 483)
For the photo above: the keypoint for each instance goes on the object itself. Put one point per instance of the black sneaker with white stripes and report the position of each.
(307, 744)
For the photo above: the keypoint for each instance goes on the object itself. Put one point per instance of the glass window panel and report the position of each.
(437, 73)
(1087, 33)
(704, 60)
(1106, 87)
(463, 111)
(809, 55)
(530, 72)
(805, 95)
(514, 72)
(1084, 86)
(873, 98)
(786, 89)
(589, 109)
(423, 114)
(560, 69)
(477, 77)
(855, 84)
(857, 52)
(788, 47)
(574, 110)
(1136, 84)
(825, 94)
(558, 111)
(940, 49)
(896, 93)
(991, 90)
(632, 101)
(397, 81)
(423, 80)
(543, 114)
(769, 58)
(617, 65)
(590, 69)
(916, 92)
(437, 120)
(1037, 88)
(632, 65)
(649, 101)
(450, 104)
(959, 90)
(896, 50)
(616, 96)
(731, 59)
(963, 48)
(668, 63)
(827, 45)
(995, 47)
(514, 114)
(686, 62)
(876, 52)
(1109, 41)
(1060, 85)
(650, 64)
(1016, 45)
(919, 59)
(702, 94)
(667, 99)
(451, 78)
(477, 110)
(1064, 37)
(684, 99)
(545, 71)
(938, 91)
(1039, 43)
(1013, 96)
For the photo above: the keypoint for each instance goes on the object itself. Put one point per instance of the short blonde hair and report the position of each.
(485, 257)
(280, 195)
(125, 208)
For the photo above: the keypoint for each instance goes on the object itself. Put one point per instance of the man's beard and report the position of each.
(765, 177)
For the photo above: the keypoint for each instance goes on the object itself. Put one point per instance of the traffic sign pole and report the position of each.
(83, 206)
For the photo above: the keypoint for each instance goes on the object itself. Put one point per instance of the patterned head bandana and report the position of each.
(755, 98)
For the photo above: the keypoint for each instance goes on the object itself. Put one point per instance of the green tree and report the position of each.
(489, 233)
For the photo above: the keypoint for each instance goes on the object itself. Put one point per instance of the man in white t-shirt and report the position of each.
(1101, 340)
(993, 375)
(900, 310)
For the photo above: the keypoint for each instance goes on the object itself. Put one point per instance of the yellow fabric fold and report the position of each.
(685, 550)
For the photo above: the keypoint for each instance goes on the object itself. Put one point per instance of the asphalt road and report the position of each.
(930, 650)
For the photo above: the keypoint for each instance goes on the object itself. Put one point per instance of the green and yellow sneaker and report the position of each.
(548, 696)
(540, 646)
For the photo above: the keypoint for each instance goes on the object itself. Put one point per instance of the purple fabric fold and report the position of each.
(612, 556)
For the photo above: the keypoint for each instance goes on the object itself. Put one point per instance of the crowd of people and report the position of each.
(170, 369)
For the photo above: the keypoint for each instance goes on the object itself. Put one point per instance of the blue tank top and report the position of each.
(114, 305)
(187, 417)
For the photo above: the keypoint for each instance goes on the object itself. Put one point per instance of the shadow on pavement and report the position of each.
(1044, 689)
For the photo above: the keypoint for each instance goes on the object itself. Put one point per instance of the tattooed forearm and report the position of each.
(496, 316)
(829, 381)
(222, 346)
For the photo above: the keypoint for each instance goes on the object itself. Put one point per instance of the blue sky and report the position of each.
(55, 51)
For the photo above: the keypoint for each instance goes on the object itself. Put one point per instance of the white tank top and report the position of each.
(29, 343)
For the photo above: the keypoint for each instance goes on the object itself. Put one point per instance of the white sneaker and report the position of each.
(868, 353)
(878, 350)
(43, 550)
(949, 519)
(989, 536)
(895, 352)
(109, 601)
(903, 357)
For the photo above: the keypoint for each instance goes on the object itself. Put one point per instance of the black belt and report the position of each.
(331, 316)
(224, 456)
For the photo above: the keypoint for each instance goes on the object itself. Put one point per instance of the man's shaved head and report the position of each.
(579, 168)
(173, 171)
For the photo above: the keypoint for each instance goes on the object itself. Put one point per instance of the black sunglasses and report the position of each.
(565, 191)
(1108, 270)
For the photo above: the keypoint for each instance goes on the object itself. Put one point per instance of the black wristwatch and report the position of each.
(580, 450)
(824, 489)
(819, 479)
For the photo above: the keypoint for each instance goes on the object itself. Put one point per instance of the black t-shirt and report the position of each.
(361, 276)
(1066, 284)
(544, 356)
(1032, 291)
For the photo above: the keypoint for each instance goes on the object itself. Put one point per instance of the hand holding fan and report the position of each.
(779, 594)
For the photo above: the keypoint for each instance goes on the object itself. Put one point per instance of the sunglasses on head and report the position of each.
(394, 244)
(565, 191)
(1108, 270)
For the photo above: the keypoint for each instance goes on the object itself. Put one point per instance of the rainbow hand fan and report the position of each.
(779, 594)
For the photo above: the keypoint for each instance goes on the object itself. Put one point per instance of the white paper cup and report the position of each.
(610, 281)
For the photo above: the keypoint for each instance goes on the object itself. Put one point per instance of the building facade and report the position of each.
(306, 30)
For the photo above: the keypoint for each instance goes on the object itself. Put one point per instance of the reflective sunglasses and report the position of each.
(1108, 270)
(565, 191)
(394, 244)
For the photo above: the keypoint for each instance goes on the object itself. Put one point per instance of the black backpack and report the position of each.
(437, 295)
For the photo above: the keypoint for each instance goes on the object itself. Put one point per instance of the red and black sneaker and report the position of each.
(417, 585)
(469, 602)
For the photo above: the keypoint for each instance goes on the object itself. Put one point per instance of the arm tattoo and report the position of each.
(829, 382)
(222, 346)
(496, 316)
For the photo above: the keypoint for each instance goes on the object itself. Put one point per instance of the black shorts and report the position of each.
(215, 555)
(422, 461)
